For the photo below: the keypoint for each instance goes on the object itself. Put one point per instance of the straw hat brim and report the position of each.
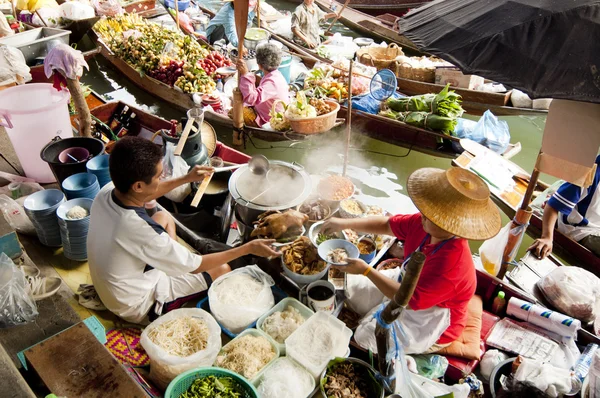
(456, 201)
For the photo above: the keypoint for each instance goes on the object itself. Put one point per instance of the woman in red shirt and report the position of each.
(454, 206)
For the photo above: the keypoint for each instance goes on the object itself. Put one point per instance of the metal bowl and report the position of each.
(352, 360)
(252, 44)
(363, 41)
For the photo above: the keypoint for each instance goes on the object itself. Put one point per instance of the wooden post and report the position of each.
(241, 23)
(336, 18)
(177, 14)
(394, 308)
(83, 111)
(522, 217)
(348, 121)
(530, 189)
(258, 12)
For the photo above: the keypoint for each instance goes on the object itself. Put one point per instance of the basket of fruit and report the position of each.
(314, 117)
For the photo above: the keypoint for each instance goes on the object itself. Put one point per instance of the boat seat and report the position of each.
(464, 354)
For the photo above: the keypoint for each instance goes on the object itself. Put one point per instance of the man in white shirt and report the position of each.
(137, 266)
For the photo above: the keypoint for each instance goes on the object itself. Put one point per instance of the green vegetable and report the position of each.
(211, 386)
(446, 103)
(323, 237)
(424, 120)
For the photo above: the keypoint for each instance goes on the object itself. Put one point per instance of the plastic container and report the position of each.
(258, 379)
(52, 150)
(181, 5)
(340, 340)
(99, 167)
(33, 114)
(281, 306)
(181, 383)
(257, 333)
(285, 67)
(278, 294)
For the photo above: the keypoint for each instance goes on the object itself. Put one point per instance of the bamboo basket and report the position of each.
(316, 125)
(405, 71)
(380, 57)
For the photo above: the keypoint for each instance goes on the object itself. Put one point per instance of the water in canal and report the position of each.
(315, 154)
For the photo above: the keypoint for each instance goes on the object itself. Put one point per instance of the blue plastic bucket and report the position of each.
(182, 5)
(285, 67)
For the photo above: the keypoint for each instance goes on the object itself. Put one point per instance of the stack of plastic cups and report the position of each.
(73, 232)
(41, 207)
(81, 185)
(99, 167)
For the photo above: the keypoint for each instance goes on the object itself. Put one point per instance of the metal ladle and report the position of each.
(259, 165)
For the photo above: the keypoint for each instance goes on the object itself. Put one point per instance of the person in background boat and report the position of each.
(577, 211)
(454, 206)
(222, 26)
(305, 23)
(259, 99)
(137, 266)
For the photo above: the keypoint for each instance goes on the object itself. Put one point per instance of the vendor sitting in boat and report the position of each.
(577, 210)
(259, 99)
(305, 23)
(222, 26)
(137, 266)
(454, 206)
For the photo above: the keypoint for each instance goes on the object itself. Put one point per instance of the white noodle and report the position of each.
(181, 337)
(285, 379)
(280, 324)
(246, 355)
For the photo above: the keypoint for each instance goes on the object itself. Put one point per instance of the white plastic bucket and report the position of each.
(33, 114)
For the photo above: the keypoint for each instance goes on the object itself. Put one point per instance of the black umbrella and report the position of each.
(547, 48)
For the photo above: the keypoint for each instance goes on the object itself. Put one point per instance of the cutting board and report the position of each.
(73, 364)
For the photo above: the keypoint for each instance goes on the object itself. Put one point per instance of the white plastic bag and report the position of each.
(175, 166)
(165, 367)
(240, 297)
(13, 68)
(5, 29)
(573, 291)
(75, 11)
(492, 250)
(489, 361)
(16, 301)
(15, 216)
(48, 15)
(109, 8)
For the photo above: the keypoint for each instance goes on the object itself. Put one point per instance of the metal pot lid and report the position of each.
(284, 186)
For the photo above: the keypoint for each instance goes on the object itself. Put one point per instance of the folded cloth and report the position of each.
(545, 377)
(65, 60)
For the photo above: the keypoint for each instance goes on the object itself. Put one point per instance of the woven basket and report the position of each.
(405, 71)
(182, 382)
(319, 124)
(380, 57)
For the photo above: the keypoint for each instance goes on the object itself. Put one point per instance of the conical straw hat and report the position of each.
(455, 200)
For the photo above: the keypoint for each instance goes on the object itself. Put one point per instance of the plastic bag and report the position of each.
(109, 8)
(492, 250)
(489, 361)
(15, 216)
(16, 301)
(431, 366)
(489, 131)
(175, 166)
(75, 11)
(13, 68)
(239, 298)
(5, 29)
(573, 291)
(48, 15)
(164, 367)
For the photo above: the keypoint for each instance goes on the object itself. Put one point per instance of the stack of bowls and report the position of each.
(98, 166)
(41, 207)
(81, 185)
(74, 232)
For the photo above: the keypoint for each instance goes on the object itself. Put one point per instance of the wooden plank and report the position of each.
(74, 364)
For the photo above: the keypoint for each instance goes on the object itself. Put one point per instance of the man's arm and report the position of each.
(330, 15)
(258, 247)
(297, 32)
(196, 174)
(379, 225)
(542, 247)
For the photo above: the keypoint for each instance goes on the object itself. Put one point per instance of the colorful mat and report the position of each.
(130, 351)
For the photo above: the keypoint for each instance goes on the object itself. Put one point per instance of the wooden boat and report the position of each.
(510, 199)
(378, 7)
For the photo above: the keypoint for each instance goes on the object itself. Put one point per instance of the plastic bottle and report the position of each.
(220, 86)
(499, 303)
(582, 367)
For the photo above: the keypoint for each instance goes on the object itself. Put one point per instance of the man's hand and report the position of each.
(262, 248)
(332, 226)
(355, 266)
(310, 44)
(244, 51)
(541, 247)
(242, 67)
(198, 173)
(330, 15)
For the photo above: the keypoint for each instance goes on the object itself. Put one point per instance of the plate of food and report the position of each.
(316, 211)
(283, 227)
(301, 262)
(337, 251)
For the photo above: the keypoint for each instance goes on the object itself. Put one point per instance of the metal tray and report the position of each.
(37, 42)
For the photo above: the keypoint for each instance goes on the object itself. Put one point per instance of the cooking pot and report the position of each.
(194, 151)
(252, 43)
(285, 186)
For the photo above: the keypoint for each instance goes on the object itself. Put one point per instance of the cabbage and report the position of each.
(300, 108)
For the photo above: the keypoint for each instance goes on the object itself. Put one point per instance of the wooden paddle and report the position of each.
(349, 121)
(177, 14)
(336, 18)
(241, 23)
(184, 136)
(201, 190)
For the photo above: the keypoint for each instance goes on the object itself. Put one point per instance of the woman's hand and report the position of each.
(242, 67)
(198, 173)
(355, 266)
(262, 248)
(332, 226)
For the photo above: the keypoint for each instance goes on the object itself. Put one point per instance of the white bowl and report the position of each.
(315, 230)
(303, 279)
(345, 214)
(329, 245)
